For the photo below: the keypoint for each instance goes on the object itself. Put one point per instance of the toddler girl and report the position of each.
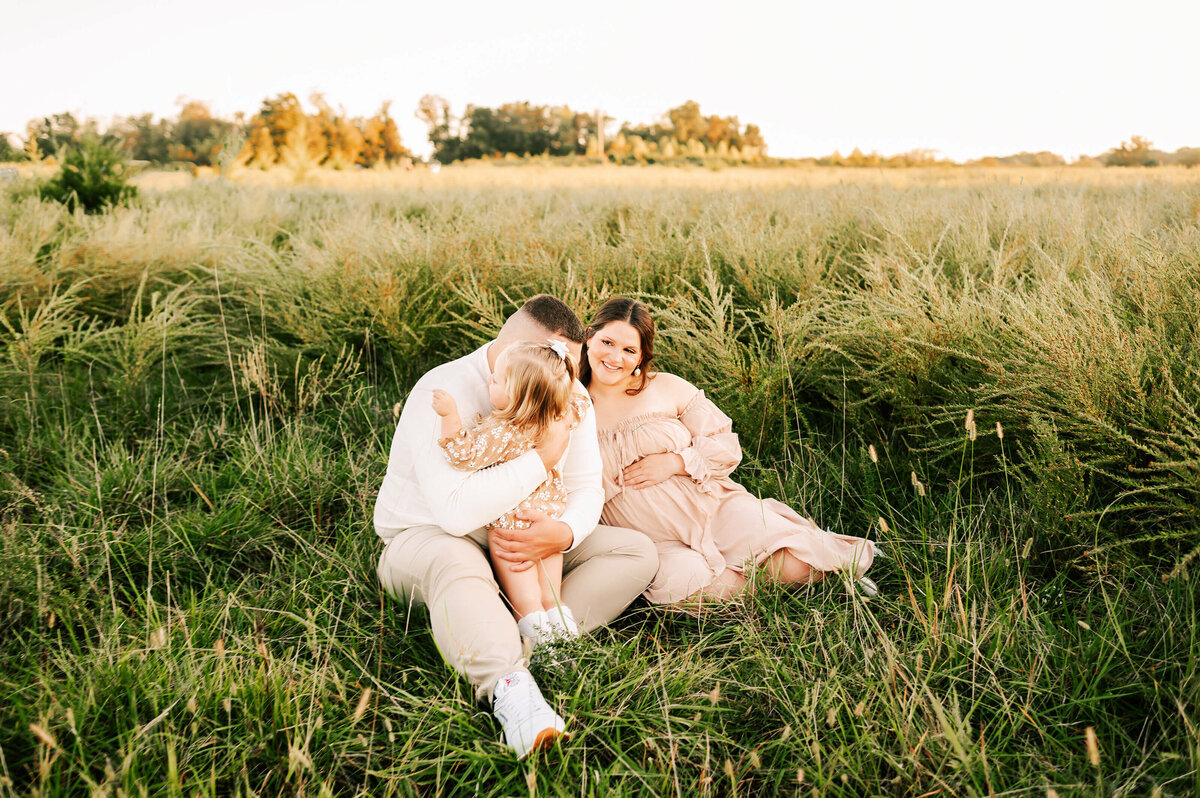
(532, 391)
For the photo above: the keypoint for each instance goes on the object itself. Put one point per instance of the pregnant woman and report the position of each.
(668, 453)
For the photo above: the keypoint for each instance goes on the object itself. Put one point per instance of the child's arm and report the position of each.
(445, 406)
(483, 445)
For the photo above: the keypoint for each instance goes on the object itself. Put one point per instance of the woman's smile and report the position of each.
(614, 351)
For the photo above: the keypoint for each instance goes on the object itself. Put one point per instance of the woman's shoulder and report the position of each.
(674, 389)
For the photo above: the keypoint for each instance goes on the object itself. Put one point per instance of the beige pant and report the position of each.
(472, 627)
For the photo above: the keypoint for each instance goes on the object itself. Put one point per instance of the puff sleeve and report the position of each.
(714, 451)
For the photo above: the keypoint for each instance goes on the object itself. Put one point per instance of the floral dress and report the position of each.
(704, 522)
(492, 441)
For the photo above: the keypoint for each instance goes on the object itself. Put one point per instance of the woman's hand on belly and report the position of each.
(651, 470)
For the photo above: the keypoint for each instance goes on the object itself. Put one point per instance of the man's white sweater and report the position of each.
(422, 488)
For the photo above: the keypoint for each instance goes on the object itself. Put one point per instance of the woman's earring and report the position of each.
(637, 371)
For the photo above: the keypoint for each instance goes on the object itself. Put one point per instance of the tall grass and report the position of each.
(197, 402)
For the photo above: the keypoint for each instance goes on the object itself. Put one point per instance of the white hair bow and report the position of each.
(559, 347)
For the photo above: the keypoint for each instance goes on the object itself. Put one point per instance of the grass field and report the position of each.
(197, 395)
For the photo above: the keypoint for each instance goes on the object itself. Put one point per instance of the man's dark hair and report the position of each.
(553, 314)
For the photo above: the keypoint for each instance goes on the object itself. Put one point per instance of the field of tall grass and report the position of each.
(996, 377)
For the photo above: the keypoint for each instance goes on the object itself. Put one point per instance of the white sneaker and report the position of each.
(528, 722)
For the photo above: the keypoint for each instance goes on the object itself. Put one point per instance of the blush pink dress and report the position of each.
(705, 522)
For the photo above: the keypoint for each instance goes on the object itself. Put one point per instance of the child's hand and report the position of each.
(443, 403)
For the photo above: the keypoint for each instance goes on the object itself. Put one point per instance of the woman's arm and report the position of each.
(652, 469)
(714, 451)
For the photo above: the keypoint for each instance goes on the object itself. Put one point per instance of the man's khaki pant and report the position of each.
(472, 626)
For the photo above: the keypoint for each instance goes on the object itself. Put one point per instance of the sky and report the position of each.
(966, 79)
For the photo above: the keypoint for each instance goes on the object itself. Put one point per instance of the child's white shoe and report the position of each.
(537, 627)
(549, 626)
(563, 620)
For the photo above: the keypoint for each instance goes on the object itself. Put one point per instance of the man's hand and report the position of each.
(555, 444)
(651, 470)
(520, 549)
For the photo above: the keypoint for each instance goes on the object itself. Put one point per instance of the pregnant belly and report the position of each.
(671, 510)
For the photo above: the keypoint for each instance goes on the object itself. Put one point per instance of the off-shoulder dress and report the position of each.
(705, 522)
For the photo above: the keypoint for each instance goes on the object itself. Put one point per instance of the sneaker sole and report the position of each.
(546, 738)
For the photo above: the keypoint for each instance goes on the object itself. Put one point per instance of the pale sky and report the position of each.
(964, 78)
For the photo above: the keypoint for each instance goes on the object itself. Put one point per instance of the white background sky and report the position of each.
(964, 78)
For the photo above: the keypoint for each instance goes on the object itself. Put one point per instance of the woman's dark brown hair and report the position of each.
(630, 311)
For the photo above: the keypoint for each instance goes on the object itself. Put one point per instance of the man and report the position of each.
(431, 517)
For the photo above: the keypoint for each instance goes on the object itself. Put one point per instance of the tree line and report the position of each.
(523, 128)
(1138, 151)
(282, 131)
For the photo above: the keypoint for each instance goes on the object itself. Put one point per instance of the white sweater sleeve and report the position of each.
(581, 469)
(462, 501)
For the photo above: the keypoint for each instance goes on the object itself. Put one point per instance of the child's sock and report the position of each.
(563, 620)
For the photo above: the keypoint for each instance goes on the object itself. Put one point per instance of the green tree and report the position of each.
(197, 136)
(519, 128)
(53, 133)
(143, 139)
(523, 128)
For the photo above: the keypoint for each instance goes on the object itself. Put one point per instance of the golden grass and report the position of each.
(552, 176)
(536, 176)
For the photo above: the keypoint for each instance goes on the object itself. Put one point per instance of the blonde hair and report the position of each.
(538, 381)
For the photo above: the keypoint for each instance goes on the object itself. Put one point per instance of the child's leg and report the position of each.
(550, 580)
(521, 588)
